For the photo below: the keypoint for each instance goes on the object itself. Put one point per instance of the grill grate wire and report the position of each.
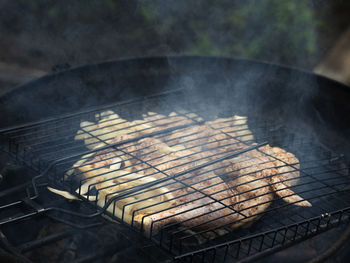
(50, 149)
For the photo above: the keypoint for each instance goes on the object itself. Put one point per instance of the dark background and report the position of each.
(38, 34)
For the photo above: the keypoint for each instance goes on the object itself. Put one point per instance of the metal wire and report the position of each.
(177, 184)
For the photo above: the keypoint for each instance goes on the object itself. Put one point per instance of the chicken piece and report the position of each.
(253, 197)
(235, 126)
(199, 184)
(198, 137)
(249, 196)
(203, 136)
(278, 166)
(285, 161)
(111, 126)
(162, 121)
(279, 175)
(110, 183)
(206, 138)
(201, 199)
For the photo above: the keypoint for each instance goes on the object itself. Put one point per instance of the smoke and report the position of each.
(83, 32)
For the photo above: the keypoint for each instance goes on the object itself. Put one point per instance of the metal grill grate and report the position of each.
(174, 187)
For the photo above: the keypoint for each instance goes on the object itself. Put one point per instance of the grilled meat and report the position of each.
(278, 167)
(199, 199)
(279, 175)
(111, 126)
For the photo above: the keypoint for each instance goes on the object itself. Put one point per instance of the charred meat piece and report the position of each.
(280, 173)
(151, 182)
(198, 199)
(278, 167)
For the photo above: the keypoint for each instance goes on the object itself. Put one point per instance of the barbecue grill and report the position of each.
(297, 111)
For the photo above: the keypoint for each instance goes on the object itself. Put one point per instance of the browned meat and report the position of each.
(278, 167)
(199, 199)
(253, 197)
(160, 121)
(279, 175)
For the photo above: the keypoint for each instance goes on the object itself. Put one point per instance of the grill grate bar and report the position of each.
(44, 241)
(62, 117)
(181, 239)
(264, 212)
(90, 132)
(117, 144)
(302, 171)
(174, 177)
(300, 184)
(145, 186)
(194, 169)
(285, 229)
(323, 177)
(274, 157)
(120, 143)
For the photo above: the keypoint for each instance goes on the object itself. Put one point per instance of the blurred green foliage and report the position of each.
(282, 31)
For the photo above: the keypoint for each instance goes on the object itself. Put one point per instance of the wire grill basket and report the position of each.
(166, 176)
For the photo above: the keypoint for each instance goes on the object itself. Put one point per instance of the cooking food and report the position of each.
(153, 181)
(278, 167)
(273, 164)
(189, 196)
